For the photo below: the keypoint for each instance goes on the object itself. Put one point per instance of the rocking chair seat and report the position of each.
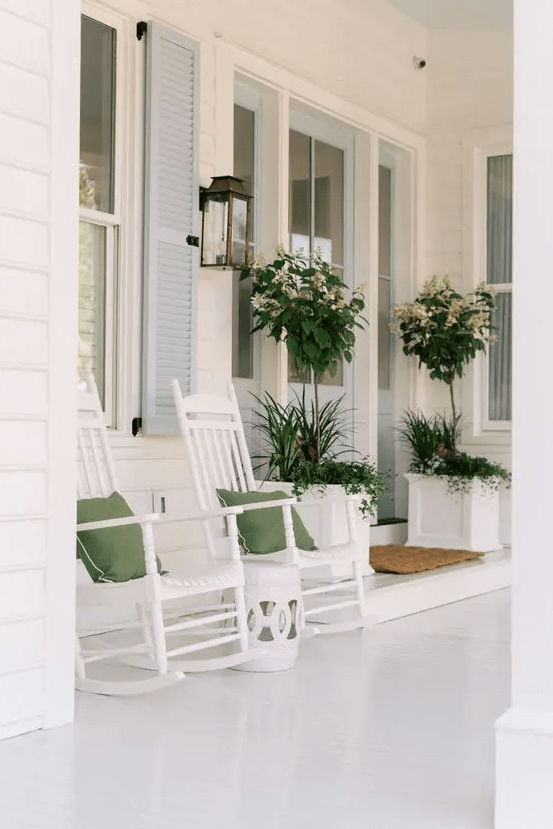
(204, 576)
(308, 558)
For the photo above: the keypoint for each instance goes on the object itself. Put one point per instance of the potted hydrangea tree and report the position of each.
(453, 496)
(300, 301)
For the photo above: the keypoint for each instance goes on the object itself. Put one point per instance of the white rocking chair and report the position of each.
(211, 625)
(216, 446)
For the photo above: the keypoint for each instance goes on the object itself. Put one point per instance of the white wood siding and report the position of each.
(36, 512)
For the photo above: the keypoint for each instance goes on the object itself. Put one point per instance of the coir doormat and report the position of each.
(396, 558)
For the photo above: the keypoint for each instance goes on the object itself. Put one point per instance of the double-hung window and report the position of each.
(99, 209)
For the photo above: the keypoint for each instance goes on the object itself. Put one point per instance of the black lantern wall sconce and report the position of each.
(226, 224)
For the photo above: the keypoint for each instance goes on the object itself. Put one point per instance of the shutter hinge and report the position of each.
(141, 29)
(194, 241)
(136, 426)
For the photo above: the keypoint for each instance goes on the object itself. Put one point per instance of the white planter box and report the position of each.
(327, 525)
(453, 521)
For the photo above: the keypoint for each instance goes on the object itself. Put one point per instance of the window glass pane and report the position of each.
(92, 302)
(329, 202)
(239, 213)
(384, 367)
(214, 250)
(242, 317)
(500, 219)
(384, 221)
(98, 44)
(500, 367)
(300, 191)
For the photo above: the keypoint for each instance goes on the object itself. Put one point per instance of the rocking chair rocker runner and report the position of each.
(214, 436)
(201, 628)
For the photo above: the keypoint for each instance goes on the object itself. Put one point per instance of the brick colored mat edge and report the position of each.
(396, 558)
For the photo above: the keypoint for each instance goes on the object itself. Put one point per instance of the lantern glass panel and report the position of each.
(214, 249)
(239, 220)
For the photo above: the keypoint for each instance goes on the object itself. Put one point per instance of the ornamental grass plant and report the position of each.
(288, 433)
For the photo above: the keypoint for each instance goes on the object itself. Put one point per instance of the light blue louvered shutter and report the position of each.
(170, 215)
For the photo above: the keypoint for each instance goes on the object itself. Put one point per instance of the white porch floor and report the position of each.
(389, 728)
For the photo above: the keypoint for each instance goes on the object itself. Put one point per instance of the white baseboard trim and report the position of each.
(14, 729)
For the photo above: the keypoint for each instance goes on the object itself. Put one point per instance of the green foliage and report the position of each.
(444, 329)
(289, 432)
(463, 469)
(427, 438)
(432, 441)
(299, 299)
(356, 477)
(334, 427)
(278, 425)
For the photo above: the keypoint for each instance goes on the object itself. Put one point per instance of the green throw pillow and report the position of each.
(114, 553)
(262, 530)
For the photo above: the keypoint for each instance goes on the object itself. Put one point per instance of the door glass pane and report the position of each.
(242, 318)
(500, 219)
(329, 202)
(242, 352)
(294, 374)
(300, 191)
(384, 367)
(92, 302)
(335, 378)
(500, 366)
(97, 124)
(384, 221)
(244, 146)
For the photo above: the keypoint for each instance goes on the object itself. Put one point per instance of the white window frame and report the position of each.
(480, 145)
(113, 222)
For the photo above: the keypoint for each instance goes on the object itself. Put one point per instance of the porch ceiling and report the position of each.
(487, 15)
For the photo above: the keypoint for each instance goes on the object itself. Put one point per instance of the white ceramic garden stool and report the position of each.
(275, 615)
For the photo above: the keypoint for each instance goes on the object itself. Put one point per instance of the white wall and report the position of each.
(38, 59)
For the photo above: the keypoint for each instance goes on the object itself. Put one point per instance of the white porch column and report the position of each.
(524, 774)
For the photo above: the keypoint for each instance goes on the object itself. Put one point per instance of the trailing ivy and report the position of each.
(356, 477)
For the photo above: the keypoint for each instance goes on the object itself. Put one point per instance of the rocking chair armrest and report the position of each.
(118, 522)
(165, 518)
(280, 502)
